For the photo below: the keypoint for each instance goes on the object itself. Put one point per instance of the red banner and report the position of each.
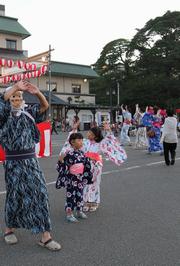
(44, 147)
(2, 154)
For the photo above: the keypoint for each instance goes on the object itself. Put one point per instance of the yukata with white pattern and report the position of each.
(26, 203)
(74, 182)
(112, 150)
(153, 122)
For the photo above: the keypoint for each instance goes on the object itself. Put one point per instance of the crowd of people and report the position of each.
(61, 125)
(156, 131)
(79, 166)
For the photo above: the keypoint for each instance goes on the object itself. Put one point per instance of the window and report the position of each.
(76, 88)
(86, 118)
(11, 44)
(53, 86)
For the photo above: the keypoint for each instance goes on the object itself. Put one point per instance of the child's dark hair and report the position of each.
(74, 136)
(97, 133)
(170, 112)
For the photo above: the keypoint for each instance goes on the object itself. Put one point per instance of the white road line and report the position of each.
(149, 164)
(132, 167)
(109, 172)
(51, 183)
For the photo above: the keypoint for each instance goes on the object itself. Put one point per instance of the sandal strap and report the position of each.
(47, 242)
(9, 233)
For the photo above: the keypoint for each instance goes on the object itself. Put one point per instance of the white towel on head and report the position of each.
(8, 88)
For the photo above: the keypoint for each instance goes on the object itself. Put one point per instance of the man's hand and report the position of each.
(26, 86)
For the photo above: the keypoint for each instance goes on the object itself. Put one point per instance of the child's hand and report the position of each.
(106, 126)
(76, 125)
(61, 158)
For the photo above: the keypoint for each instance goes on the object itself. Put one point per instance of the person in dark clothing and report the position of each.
(169, 137)
(54, 127)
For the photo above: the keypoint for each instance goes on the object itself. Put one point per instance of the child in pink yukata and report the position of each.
(93, 146)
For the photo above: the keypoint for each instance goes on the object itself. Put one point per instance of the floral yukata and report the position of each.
(153, 123)
(26, 203)
(74, 174)
(141, 134)
(111, 148)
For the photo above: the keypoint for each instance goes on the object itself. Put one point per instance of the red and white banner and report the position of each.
(44, 147)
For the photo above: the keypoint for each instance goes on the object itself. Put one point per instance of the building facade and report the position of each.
(65, 85)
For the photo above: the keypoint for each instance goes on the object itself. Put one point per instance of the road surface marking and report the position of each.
(109, 172)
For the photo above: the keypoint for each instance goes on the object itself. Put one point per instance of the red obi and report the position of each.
(94, 156)
(77, 169)
(156, 124)
(127, 122)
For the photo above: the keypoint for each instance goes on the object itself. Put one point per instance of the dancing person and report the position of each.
(152, 121)
(26, 203)
(169, 137)
(93, 145)
(141, 137)
(127, 119)
(74, 173)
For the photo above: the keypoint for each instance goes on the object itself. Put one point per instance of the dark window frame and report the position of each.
(53, 86)
(76, 88)
(11, 44)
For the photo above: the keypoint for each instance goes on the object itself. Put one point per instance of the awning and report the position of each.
(32, 99)
(54, 99)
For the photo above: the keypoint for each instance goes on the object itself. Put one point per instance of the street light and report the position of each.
(110, 93)
(120, 70)
(117, 82)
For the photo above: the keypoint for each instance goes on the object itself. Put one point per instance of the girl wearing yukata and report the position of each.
(26, 203)
(127, 120)
(93, 146)
(74, 173)
(152, 121)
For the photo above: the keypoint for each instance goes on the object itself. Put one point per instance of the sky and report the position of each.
(78, 30)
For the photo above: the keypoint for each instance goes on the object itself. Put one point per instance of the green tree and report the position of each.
(112, 67)
(147, 67)
(156, 70)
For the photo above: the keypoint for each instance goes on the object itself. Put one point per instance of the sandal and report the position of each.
(50, 244)
(86, 208)
(93, 208)
(71, 218)
(81, 215)
(10, 238)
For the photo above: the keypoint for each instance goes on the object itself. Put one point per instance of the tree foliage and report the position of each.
(147, 67)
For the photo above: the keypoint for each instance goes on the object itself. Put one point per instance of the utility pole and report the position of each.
(49, 82)
(117, 92)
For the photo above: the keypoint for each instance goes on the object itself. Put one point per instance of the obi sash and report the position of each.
(94, 156)
(127, 122)
(20, 155)
(76, 169)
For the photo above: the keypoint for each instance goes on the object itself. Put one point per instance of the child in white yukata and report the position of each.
(93, 146)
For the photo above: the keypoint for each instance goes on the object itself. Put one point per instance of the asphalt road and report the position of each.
(137, 224)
